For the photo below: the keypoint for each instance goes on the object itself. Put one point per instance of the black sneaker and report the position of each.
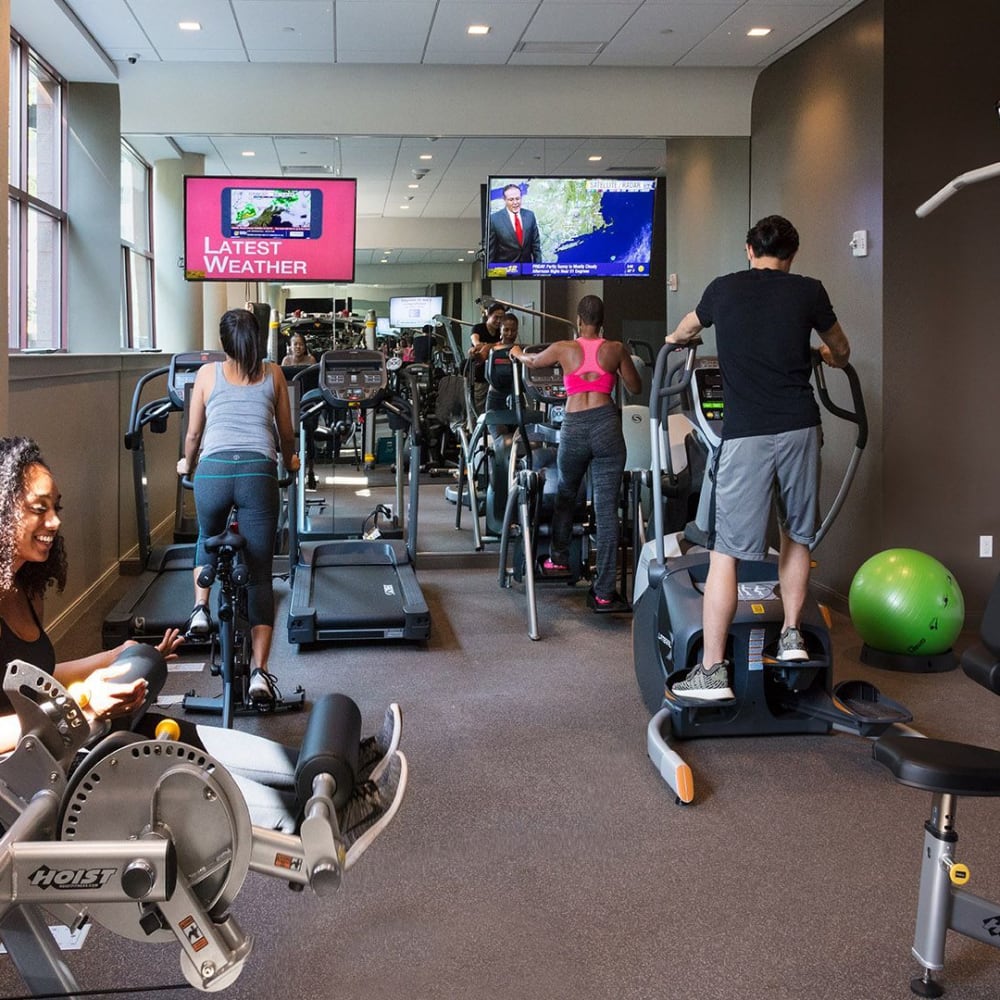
(199, 624)
(371, 807)
(615, 604)
(375, 751)
(262, 690)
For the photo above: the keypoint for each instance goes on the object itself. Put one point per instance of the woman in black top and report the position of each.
(32, 559)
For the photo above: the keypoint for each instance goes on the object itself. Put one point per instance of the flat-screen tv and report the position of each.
(570, 227)
(383, 328)
(414, 310)
(269, 229)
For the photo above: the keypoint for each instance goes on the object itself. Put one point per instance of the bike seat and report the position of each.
(228, 539)
(940, 765)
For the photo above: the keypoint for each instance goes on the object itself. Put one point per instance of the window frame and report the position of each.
(21, 202)
(133, 255)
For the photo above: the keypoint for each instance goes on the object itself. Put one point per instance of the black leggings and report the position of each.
(250, 481)
(591, 439)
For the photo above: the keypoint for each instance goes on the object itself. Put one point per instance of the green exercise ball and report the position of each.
(905, 601)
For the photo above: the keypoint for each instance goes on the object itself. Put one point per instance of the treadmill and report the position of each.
(365, 587)
(162, 595)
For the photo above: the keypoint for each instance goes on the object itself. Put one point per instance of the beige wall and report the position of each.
(76, 407)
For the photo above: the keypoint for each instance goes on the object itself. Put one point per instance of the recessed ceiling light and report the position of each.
(758, 32)
(413, 186)
(189, 25)
(404, 206)
(595, 159)
(248, 152)
(426, 156)
(478, 29)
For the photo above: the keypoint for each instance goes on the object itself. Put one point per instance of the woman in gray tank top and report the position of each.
(239, 420)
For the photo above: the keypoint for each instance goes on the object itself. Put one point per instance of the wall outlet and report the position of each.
(985, 546)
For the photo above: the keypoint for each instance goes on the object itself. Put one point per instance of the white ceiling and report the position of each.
(597, 33)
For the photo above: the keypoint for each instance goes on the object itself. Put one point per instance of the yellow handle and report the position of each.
(168, 730)
(80, 693)
(959, 873)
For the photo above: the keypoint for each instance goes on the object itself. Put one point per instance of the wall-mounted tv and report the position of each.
(414, 310)
(570, 227)
(269, 229)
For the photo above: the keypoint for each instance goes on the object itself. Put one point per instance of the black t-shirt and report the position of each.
(764, 319)
(38, 652)
(482, 331)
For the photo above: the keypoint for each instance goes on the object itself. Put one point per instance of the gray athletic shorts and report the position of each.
(749, 473)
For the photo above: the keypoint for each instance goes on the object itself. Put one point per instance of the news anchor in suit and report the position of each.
(504, 245)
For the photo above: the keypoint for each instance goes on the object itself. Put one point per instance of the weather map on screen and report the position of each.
(585, 226)
(281, 213)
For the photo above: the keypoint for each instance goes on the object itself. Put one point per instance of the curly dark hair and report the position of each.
(17, 455)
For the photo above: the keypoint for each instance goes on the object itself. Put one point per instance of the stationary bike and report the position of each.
(948, 770)
(232, 650)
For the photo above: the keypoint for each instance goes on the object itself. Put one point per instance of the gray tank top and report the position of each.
(240, 417)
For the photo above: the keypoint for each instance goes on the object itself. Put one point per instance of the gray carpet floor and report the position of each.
(537, 853)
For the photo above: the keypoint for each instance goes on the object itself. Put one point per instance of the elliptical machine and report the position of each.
(771, 696)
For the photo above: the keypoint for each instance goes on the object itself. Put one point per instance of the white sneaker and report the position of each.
(262, 689)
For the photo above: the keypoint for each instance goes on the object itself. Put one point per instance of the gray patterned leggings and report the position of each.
(591, 439)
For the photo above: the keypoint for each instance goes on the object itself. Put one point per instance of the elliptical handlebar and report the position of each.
(859, 415)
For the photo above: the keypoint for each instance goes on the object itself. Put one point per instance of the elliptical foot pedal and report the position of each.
(672, 697)
(854, 706)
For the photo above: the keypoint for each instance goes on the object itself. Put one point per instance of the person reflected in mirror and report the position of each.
(298, 351)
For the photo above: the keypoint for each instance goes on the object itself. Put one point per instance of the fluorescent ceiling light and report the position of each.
(189, 25)
(595, 159)
(426, 156)
(758, 32)
(478, 29)
(248, 152)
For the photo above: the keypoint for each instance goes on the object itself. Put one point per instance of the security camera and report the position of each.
(133, 59)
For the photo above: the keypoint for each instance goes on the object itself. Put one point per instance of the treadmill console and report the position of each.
(353, 378)
(183, 370)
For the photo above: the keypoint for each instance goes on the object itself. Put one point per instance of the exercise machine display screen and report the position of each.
(353, 376)
(709, 394)
(545, 384)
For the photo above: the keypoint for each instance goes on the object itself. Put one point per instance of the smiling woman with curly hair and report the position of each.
(32, 559)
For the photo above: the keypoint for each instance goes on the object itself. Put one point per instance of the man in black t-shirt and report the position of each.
(483, 336)
(764, 318)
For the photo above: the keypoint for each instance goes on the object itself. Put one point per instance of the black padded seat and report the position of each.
(940, 765)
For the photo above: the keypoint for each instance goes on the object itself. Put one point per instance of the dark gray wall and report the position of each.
(942, 287)
(816, 157)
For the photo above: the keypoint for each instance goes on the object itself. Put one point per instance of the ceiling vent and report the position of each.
(307, 169)
(560, 48)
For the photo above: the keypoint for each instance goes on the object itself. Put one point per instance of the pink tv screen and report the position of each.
(269, 229)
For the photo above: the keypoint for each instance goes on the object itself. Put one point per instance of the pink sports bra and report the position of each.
(575, 384)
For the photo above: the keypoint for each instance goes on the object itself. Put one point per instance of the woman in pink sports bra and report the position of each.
(591, 438)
